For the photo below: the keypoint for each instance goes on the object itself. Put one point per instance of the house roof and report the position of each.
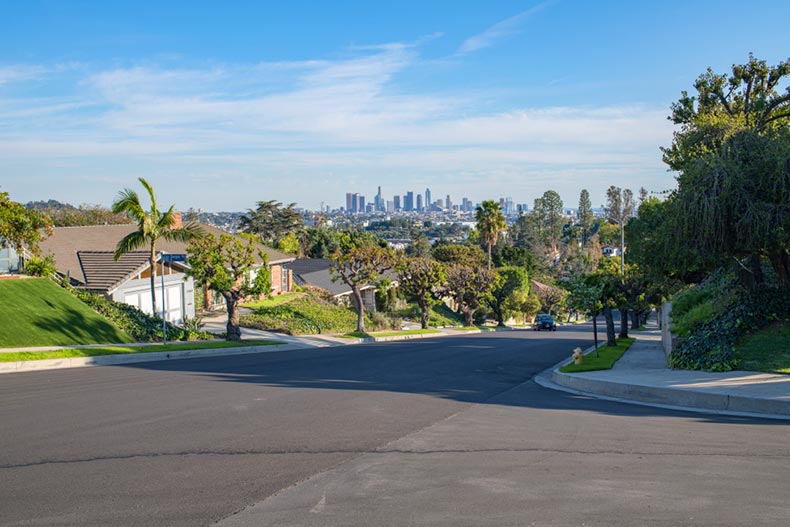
(314, 272)
(73, 247)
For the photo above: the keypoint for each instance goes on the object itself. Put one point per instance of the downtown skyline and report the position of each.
(220, 108)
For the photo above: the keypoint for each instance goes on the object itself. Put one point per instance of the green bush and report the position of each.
(37, 266)
(140, 326)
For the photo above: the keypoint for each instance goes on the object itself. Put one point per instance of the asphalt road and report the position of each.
(384, 434)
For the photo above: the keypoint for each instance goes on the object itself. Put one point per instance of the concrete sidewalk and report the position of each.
(642, 376)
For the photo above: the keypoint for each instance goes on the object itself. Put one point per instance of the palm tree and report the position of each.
(490, 222)
(151, 225)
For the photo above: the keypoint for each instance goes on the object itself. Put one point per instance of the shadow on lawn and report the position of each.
(68, 326)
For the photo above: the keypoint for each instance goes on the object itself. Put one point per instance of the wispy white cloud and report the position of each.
(322, 123)
(500, 30)
(20, 72)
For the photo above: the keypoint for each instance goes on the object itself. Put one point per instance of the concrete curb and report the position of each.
(663, 397)
(114, 360)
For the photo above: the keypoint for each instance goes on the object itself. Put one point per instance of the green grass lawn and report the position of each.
(38, 312)
(767, 350)
(121, 350)
(273, 301)
(606, 359)
(355, 334)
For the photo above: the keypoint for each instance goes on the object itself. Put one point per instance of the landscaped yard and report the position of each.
(767, 350)
(37, 312)
(273, 301)
(607, 356)
(121, 350)
(302, 315)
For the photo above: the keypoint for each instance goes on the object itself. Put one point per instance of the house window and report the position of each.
(9, 260)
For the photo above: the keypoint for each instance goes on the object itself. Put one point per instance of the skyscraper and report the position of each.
(408, 202)
(447, 203)
(349, 201)
(419, 202)
(396, 204)
(428, 201)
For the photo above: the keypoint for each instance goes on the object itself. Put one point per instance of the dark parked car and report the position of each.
(544, 321)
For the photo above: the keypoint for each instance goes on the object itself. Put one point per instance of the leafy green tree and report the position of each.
(516, 257)
(318, 242)
(422, 280)
(361, 259)
(510, 282)
(271, 221)
(469, 287)
(420, 247)
(490, 222)
(548, 212)
(585, 297)
(152, 224)
(21, 227)
(461, 254)
(289, 244)
(228, 265)
(585, 216)
(733, 195)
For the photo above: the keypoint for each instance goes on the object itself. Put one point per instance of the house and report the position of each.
(611, 250)
(315, 273)
(85, 256)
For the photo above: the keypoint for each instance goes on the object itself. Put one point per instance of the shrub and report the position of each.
(140, 326)
(37, 266)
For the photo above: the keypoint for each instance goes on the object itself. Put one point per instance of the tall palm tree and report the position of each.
(151, 225)
(490, 222)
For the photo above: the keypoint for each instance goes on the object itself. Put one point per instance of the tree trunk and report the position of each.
(500, 317)
(489, 255)
(360, 309)
(623, 323)
(468, 316)
(595, 332)
(611, 340)
(426, 316)
(233, 329)
(152, 261)
(780, 261)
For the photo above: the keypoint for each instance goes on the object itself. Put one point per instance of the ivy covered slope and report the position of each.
(710, 318)
(37, 312)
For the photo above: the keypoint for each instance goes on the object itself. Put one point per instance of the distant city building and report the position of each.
(391, 206)
(397, 204)
(448, 203)
(408, 202)
(419, 203)
(428, 201)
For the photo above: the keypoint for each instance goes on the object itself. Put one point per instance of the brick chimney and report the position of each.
(178, 222)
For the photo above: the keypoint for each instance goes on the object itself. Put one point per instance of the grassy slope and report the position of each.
(606, 359)
(767, 350)
(37, 312)
(273, 301)
(122, 350)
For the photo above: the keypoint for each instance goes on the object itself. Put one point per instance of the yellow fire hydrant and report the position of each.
(578, 356)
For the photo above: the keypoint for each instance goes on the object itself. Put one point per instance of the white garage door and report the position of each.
(174, 308)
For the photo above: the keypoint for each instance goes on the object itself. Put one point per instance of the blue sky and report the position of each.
(220, 106)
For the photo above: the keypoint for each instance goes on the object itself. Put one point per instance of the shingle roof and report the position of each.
(103, 273)
(66, 243)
